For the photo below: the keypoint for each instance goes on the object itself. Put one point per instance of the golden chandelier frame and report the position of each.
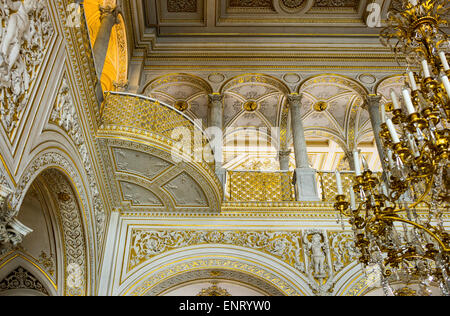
(398, 223)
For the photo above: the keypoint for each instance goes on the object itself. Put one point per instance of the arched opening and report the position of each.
(251, 269)
(52, 259)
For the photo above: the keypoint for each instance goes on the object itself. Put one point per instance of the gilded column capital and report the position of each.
(121, 85)
(107, 11)
(372, 100)
(215, 97)
(284, 153)
(294, 99)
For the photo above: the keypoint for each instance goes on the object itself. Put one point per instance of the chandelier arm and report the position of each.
(420, 199)
(403, 220)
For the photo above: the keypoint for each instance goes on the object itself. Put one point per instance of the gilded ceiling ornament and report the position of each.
(188, 6)
(320, 106)
(146, 244)
(251, 3)
(406, 291)
(181, 105)
(21, 279)
(48, 262)
(214, 290)
(335, 3)
(250, 106)
(292, 4)
(25, 32)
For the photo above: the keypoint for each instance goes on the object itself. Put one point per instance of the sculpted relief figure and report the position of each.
(17, 31)
(25, 28)
(317, 252)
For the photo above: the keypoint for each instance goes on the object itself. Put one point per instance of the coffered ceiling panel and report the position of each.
(225, 16)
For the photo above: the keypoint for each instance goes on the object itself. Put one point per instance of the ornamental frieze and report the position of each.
(317, 254)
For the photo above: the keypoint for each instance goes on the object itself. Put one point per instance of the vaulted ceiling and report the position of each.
(255, 52)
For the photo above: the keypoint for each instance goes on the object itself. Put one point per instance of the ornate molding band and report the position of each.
(317, 254)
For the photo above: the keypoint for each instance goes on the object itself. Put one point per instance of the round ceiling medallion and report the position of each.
(216, 77)
(250, 106)
(181, 105)
(291, 78)
(292, 6)
(320, 106)
(367, 78)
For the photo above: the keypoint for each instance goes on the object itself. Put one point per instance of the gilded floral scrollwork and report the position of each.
(147, 243)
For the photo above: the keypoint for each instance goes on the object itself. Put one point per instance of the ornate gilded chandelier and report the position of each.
(398, 220)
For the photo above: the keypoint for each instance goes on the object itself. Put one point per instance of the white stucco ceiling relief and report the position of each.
(185, 92)
(143, 177)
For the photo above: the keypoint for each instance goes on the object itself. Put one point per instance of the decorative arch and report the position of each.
(185, 92)
(20, 276)
(66, 190)
(268, 273)
(243, 142)
(268, 93)
(340, 111)
(384, 86)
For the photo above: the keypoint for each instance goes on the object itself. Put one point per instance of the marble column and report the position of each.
(350, 159)
(216, 133)
(372, 105)
(304, 176)
(284, 157)
(108, 18)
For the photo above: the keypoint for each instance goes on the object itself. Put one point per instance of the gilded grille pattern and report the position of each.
(254, 186)
(142, 115)
(327, 184)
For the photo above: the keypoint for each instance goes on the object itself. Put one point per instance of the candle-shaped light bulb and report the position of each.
(392, 131)
(444, 61)
(408, 102)
(390, 156)
(395, 100)
(364, 163)
(384, 189)
(357, 163)
(339, 183)
(412, 81)
(352, 199)
(383, 113)
(446, 83)
(426, 70)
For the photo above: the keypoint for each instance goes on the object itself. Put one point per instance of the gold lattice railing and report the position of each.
(326, 181)
(142, 115)
(259, 186)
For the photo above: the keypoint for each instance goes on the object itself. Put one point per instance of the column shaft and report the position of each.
(284, 158)
(304, 176)
(108, 18)
(216, 132)
(298, 133)
(373, 107)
